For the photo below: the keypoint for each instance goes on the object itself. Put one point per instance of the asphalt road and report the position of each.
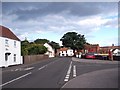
(51, 73)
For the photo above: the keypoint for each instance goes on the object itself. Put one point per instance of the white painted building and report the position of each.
(116, 52)
(10, 48)
(51, 51)
(66, 52)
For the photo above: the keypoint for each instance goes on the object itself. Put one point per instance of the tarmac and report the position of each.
(107, 78)
(95, 61)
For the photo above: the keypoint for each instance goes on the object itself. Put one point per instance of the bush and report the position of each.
(36, 49)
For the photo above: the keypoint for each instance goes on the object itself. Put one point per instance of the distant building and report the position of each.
(116, 52)
(78, 53)
(66, 52)
(51, 51)
(106, 49)
(10, 48)
(91, 48)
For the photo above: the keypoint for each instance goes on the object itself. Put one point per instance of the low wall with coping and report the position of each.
(33, 58)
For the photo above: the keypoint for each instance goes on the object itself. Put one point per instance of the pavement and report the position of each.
(95, 61)
(106, 78)
(46, 74)
(5, 69)
(64, 72)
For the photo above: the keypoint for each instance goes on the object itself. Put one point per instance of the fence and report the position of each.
(33, 58)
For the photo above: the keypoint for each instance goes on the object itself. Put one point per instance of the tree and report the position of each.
(73, 40)
(28, 48)
(36, 49)
(24, 45)
(54, 45)
(24, 51)
(41, 41)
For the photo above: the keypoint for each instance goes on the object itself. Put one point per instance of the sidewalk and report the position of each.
(95, 61)
(95, 79)
(25, 65)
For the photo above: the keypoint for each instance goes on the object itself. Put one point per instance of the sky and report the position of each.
(98, 21)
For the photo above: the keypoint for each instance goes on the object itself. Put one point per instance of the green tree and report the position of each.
(36, 49)
(54, 45)
(41, 41)
(73, 40)
(24, 51)
(24, 45)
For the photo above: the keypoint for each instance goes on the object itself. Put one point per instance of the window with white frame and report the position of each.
(14, 43)
(6, 42)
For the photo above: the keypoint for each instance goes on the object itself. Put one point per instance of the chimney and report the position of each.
(112, 44)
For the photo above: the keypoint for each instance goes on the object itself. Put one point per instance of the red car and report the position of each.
(90, 56)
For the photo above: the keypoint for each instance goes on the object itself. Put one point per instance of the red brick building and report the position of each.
(92, 48)
(97, 49)
(107, 48)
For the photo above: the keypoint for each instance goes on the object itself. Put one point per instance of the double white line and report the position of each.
(74, 71)
(69, 71)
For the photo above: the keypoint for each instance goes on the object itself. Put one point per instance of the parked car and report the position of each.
(90, 55)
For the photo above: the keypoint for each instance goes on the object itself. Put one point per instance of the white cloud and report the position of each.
(113, 23)
(105, 42)
(60, 24)
(24, 35)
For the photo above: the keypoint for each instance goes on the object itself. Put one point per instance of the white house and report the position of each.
(116, 52)
(66, 52)
(51, 51)
(10, 48)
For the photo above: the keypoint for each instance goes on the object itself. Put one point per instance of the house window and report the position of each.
(6, 42)
(14, 57)
(14, 43)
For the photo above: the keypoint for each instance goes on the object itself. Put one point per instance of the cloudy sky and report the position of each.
(51, 20)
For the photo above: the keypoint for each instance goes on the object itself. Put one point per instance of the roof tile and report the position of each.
(5, 32)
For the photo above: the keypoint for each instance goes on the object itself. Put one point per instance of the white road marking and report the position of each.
(16, 69)
(46, 65)
(42, 67)
(74, 71)
(29, 68)
(16, 79)
(12, 70)
(68, 72)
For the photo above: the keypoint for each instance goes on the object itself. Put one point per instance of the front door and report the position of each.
(7, 59)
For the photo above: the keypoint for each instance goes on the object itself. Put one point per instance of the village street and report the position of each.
(62, 72)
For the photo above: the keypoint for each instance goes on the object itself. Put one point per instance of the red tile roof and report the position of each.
(63, 49)
(5, 32)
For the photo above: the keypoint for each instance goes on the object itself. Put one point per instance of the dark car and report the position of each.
(90, 55)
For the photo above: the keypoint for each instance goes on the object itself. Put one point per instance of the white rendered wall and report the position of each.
(10, 48)
(70, 52)
(1, 52)
(51, 51)
(63, 53)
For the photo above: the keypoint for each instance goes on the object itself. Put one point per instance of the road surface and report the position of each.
(58, 72)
